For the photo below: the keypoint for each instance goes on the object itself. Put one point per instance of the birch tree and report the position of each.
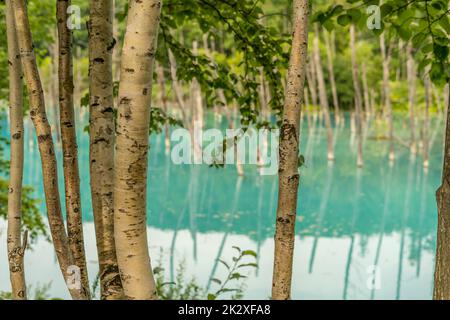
(69, 143)
(46, 147)
(411, 76)
(101, 144)
(367, 107)
(442, 267)
(441, 272)
(16, 248)
(163, 100)
(357, 98)
(177, 89)
(130, 178)
(330, 57)
(386, 58)
(289, 177)
(426, 123)
(323, 93)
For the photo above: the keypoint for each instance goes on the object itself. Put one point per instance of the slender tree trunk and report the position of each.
(101, 145)
(357, 98)
(78, 79)
(197, 111)
(373, 102)
(426, 122)
(163, 99)
(411, 77)
(264, 103)
(315, 85)
(262, 115)
(130, 179)
(54, 89)
(307, 111)
(437, 97)
(69, 144)
(441, 272)
(177, 88)
(288, 155)
(310, 78)
(365, 90)
(399, 71)
(332, 80)
(197, 94)
(16, 248)
(323, 93)
(446, 97)
(210, 56)
(46, 147)
(386, 57)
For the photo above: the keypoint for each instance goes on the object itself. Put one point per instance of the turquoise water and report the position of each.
(350, 221)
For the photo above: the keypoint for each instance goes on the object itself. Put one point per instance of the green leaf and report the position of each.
(237, 275)
(442, 41)
(337, 9)
(301, 160)
(355, 14)
(438, 74)
(84, 101)
(319, 17)
(329, 25)
(405, 16)
(249, 253)
(385, 9)
(437, 5)
(404, 33)
(211, 296)
(227, 290)
(157, 270)
(418, 39)
(445, 24)
(225, 264)
(427, 48)
(167, 283)
(344, 20)
(237, 248)
(440, 52)
(245, 265)
(423, 64)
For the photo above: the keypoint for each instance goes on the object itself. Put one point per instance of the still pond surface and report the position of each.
(352, 223)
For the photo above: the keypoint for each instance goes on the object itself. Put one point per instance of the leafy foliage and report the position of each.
(181, 288)
(31, 217)
(42, 23)
(188, 289)
(158, 118)
(425, 23)
(233, 282)
(235, 22)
